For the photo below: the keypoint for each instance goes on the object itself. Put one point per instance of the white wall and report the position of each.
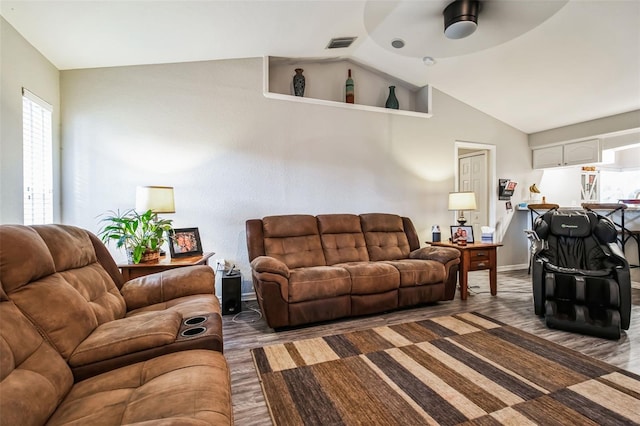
(232, 154)
(22, 66)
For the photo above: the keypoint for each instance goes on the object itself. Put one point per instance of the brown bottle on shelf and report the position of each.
(350, 96)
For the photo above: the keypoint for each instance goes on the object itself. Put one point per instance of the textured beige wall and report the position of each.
(232, 154)
(22, 66)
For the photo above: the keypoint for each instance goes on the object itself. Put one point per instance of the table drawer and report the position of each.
(477, 265)
(479, 255)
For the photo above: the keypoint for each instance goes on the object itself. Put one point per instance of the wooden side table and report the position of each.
(476, 257)
(132, 270)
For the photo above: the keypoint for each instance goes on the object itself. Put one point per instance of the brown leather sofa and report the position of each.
(57, 278)
(187, 388)
(147, 349)
(315, 268)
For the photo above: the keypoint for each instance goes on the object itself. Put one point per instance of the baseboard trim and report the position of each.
(248, 297)
(506, 268)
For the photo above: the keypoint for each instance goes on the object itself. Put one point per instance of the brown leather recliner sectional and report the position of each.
(148, 350)
(315, 268)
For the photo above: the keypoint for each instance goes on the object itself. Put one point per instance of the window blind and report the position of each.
(37, 142)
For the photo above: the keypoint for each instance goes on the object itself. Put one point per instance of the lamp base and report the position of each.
(461, 221)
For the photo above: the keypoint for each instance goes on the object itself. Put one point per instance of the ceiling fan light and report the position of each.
(460, 19)
(460, 29)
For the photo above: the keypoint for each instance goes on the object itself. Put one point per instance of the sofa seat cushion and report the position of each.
(415, 272)
(190, 387)
(372, 277)
(127, 335)
(319, 282)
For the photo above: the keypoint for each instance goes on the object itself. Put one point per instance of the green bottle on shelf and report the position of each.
(392, 101)
(350, 96)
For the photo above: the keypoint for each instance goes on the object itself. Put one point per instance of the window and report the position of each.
(37, 142)
(619, 185)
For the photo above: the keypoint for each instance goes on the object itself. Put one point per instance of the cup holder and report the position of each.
(190, 332)
(195, 320)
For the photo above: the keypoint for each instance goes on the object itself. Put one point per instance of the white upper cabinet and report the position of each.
(584, 152)
(570, 154)
(544, 158)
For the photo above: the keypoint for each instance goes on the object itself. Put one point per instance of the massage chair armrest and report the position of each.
(623, 277)
(616, 256)
(576, 271)
(168, 285)
(538, 281)
(443, 255)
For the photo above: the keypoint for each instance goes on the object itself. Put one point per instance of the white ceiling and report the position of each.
(534, 64)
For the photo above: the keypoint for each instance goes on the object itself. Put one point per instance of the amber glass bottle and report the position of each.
(350, 97)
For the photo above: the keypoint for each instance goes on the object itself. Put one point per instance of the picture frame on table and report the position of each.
(459, 232)
(185, 242)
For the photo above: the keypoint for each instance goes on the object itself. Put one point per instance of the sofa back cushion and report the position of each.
(70, 294)
(294, 240)
(24, 257)
(342, 238)
(385, 236)
(33, 376)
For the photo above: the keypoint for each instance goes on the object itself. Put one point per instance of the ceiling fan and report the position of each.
(461, 18)
(416, 27)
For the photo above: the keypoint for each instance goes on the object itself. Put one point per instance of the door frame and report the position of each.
(491, 173)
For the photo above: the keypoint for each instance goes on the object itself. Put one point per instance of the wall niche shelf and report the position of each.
(325, 85)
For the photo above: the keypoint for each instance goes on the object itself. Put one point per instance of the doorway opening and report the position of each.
(475, 170)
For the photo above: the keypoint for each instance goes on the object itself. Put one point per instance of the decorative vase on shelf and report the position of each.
(298, 82)
(349, 92)
(392, 101)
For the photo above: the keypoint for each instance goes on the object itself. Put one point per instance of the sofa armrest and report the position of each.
(267, 269)
(270, 265)
(441, 254)
(168, 285)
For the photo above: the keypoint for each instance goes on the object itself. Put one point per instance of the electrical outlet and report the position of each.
(221, 264)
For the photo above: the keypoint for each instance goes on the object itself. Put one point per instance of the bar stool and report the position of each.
(536, 210)
(624, 234)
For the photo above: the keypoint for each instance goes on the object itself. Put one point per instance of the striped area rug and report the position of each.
(460, 369)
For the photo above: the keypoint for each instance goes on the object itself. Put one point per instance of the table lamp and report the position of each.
(158, 199)
(462, 201)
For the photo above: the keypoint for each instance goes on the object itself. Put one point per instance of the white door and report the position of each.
(472, 171)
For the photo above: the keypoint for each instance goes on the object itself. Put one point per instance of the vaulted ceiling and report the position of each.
(534, 64)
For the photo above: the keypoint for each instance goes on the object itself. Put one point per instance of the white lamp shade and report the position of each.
(462, 201)
(158, 199)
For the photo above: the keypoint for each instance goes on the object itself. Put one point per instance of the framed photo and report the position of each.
(185, 242)
(461, 233)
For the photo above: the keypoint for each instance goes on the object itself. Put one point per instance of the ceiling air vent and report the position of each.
(340, 42)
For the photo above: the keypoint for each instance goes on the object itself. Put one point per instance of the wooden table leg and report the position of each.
(493, 272)
(463, 274)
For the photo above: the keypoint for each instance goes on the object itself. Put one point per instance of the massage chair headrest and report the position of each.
(575, 224)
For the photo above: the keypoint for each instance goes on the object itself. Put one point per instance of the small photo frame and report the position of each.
(185, 242)
(459, 233)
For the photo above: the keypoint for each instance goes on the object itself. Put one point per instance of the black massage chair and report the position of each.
(581, 280)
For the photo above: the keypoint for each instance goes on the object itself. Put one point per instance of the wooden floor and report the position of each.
(513, 305)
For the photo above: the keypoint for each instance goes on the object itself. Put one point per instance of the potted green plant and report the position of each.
(141, 234)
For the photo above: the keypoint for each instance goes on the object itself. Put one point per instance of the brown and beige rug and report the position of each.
(465, 368)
